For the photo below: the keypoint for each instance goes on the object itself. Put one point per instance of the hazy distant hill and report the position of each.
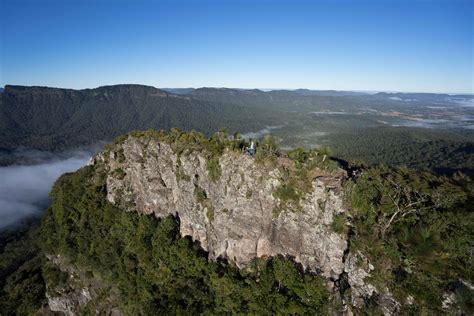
(178, 90)
(52, 118)
(275, 99)
(423, 97)
(328, 93)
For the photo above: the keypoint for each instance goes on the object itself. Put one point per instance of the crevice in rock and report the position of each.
(341, 285)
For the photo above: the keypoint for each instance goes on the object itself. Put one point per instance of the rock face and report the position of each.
(68, 303)
(233, 215)
(71, 297)
(233, 218)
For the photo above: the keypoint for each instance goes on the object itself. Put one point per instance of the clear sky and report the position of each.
(353, 45)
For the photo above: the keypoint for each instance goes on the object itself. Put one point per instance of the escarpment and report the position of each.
(233, 215)
(237, 207)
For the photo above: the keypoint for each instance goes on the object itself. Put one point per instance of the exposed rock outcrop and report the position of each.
(234, 216)
(68, 303)
(79, 292)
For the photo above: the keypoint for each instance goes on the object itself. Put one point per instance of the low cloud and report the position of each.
(261, 133)
(24, 188)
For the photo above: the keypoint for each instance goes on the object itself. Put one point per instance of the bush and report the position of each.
(338, 224)
(267, 150)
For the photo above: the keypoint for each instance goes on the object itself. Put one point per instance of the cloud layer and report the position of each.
(24, 188)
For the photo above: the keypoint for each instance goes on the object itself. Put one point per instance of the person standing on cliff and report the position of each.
(252, 149)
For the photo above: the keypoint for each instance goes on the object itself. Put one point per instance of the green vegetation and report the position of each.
(200, 194)
(418, 231)
(180, 174)
(296, 178)
(118, 173)
(213, 168)
(267, 150)
(210, 214)
(22, 289)
(154, 270)
(249, 193)
(186, 142)
(442, 151)
(339, 224)
(416, 228)
(358, 131)
(55, 119)
(201, 197)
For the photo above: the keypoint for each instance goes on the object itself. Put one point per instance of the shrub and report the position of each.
(267, 150)
(213, 168)
(338, 224)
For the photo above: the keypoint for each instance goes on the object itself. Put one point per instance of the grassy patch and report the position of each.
(180, 174)
(338, 224)
(210, 213)
(213, 168)
(118, 174)
(200, 194)
(249, 193)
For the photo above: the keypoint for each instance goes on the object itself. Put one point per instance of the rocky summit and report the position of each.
(234, 217)
(238, 214)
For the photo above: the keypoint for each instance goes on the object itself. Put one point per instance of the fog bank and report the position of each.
(24, 188)
(260, 133)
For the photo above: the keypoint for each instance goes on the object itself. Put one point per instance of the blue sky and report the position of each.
(346, 45)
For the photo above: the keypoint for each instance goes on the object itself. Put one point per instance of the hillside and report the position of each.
(52, 118)
(181, 223)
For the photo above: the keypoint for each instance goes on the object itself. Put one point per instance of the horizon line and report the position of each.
(237, 88)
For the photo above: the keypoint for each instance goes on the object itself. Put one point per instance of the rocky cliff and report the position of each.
(239, 214)
(233, 216)
(237, 207)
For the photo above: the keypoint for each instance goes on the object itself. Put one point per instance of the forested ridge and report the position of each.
(53, 118)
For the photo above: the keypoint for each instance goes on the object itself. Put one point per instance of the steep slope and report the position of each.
(233, 216)
(51, 118)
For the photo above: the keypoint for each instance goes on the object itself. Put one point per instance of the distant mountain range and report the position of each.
(306, 92)
(329, 93)
(54, 118)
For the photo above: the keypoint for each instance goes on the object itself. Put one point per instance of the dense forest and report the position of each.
(442, 151)
(22, 286)
(416, 228)
(55, 119)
